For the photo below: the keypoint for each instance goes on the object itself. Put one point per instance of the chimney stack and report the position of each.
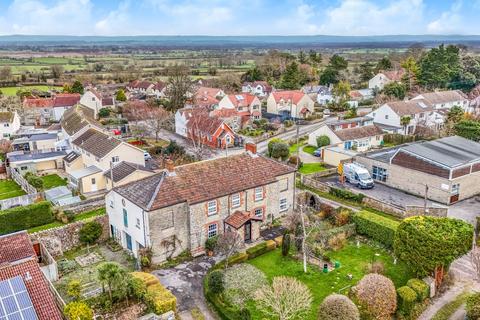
(252, 147)
(170, 166)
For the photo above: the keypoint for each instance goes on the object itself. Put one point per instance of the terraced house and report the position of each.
(180, 208)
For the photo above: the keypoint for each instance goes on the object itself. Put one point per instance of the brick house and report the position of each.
(449, 167)
(25, 291)
(180, 208)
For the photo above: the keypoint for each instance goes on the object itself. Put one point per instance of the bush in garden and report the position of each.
(158, 298)
(244, 314)
(104, 112)
(376, 227)
(90, 232)
(34, 181)
(473, 307)
(78, 311)
(406, 299)
(377, 295)
(241, 281)
(294, 160)
(337, 242)
(375, 267)
(323, 141)
(271, 144)
(446, 240)
(347, 195)
(211, 243)
(215, 282)
(342, 217)
(74, 289)
(261, 248)
(337, 306)
(280, 150)
(285, 244)
(420, 287)
(326, 211)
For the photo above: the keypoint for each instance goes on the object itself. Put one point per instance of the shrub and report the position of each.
(90, 232)
(406, 299)
(375, 267)
(337, 306)
(211, 243)
(241, 281)
(280, 150)
(21, 218)
(288, 123)
(158, 298)
(342, 217)
(323, 141)
(293, 160)
(473, 306)
(285, 244)
(104, 112)
(377, 295)
(34, 181)
(78, 311)
(376, 227)
(261, 248)
(244, 314)
(74, 288)
(446, 240)
(420, 287)
(347, 195)
(326, 211)
(337, 242)
(215, 282)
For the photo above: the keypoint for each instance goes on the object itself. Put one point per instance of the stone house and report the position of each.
(446, 169)
(180, 208)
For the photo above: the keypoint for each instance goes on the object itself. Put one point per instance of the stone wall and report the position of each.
(420, 211)
(384, 207)
(86, 205)
(64, 238)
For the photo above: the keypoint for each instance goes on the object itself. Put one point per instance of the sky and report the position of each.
(239, 17)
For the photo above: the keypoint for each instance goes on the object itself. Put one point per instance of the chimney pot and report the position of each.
(252, 147)
(170, 166)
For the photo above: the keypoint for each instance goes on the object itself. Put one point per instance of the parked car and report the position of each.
(357, 175)
(147, 156)
(318, 152)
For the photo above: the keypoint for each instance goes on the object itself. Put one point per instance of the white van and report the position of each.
(357, 175)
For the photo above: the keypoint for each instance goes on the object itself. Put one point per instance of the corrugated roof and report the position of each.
(85, 172)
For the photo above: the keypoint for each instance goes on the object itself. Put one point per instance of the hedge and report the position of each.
(376, 227)
(261, 248)
(158, 297)
(347, 195)
(406, 299)
(420, 287)
(236, 258)
(22, 218)
(473, 306)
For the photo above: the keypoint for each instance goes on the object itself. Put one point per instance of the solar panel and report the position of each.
(15, 302)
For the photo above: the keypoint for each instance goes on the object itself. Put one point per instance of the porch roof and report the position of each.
(239, 218)
(85, 172)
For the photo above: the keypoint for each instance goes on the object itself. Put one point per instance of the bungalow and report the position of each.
(180, 208)
(26, 161)
(93, 154)
(9, 123)
(382, 78)
(445, 170)
(247, 105)
(290, 103)
(419, 112)
(258, 88)
(445, 99)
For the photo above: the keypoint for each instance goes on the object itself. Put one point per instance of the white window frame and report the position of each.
(258, 212)
(212, 230)
(236, 200)
(212, 207)
(283, 204)
(456, 188)
(258, 193)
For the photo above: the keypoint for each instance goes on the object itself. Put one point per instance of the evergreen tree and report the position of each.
(77, 87)
(290, 78)
(384, 64)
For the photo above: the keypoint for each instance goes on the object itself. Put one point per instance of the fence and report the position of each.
(22, 182)
(24, 200)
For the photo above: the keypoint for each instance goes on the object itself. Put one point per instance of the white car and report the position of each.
(147, 156)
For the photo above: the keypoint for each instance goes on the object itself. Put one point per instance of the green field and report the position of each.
(10, 189)
(12, 91)
(353, 260)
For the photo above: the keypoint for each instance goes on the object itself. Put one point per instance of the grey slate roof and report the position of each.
(450, 151)
(25, 156)
(97, 143)
(123, 170)
(69, 158)
(77, 118)
(43, 136)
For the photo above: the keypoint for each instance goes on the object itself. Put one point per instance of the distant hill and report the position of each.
(239, 41)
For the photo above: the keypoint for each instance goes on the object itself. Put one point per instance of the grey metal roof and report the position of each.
(450, 151)
(43, 136)
(25, 156)
(57, 193)
(382, 155)
(85, 172)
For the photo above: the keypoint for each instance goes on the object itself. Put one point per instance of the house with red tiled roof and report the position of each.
(95, 100)
(384, 77)
(25, 291)
(42, 111)
(203, 128)
(290, 103)
(207, 97)
(247, 105)
(182, 207)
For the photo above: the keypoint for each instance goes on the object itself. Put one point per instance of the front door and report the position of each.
(129, 241)
(248, 231)
(94, 185)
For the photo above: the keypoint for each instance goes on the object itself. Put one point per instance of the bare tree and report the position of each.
(228, 244)
(6, 73)
(155, 119)
(197, 134)
(5, 146)
(286, 299)
(179, 86)
(57, 71)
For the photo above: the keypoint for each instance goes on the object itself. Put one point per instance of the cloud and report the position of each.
(117, 22)
(449, 21)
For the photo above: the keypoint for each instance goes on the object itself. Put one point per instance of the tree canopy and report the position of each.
(395, 89)
(425, 243)
(439, 67)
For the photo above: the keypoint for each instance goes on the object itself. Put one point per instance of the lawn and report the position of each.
(294, 147)
(78, 217)
(52, 180)
(353, 260)
(309, 168)
(12, 91)
(309, 149)
(10, 189)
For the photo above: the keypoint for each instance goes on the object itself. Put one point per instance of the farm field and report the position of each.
(12, 91)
